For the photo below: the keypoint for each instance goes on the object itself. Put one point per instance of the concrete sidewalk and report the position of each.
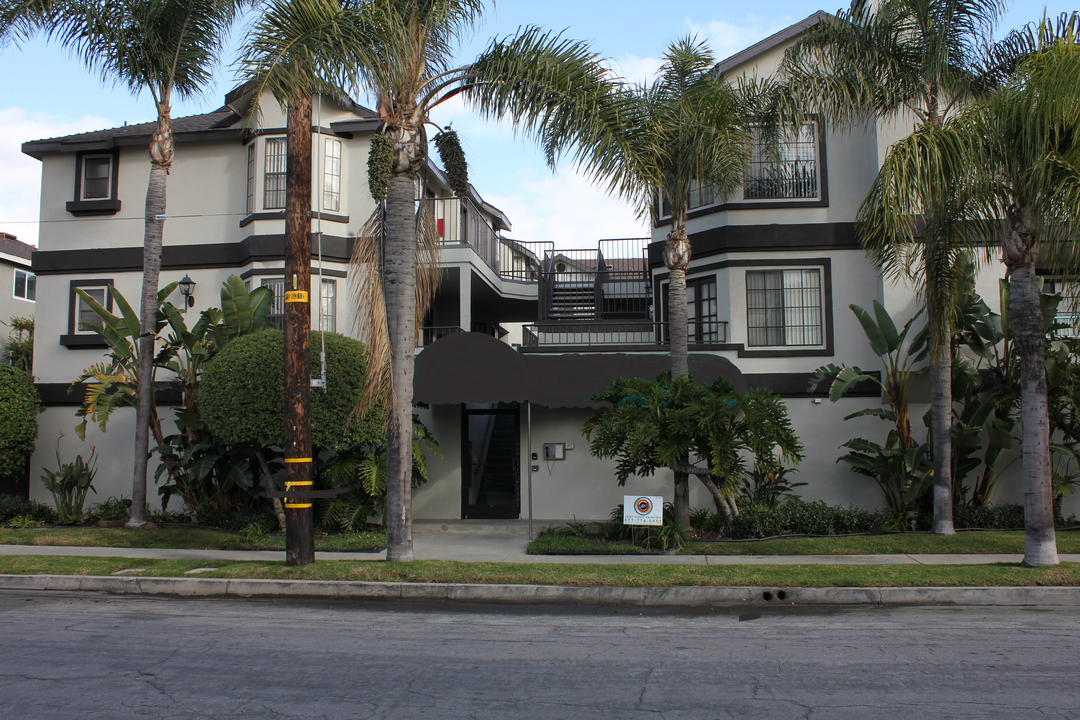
(509, 545)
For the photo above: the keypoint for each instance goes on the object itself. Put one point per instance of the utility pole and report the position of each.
(299, 520)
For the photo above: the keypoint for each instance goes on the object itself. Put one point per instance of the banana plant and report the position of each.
(896, 380)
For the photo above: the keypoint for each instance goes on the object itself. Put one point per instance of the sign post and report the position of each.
(647, 510)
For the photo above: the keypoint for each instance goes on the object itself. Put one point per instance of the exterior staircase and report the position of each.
(572, 301)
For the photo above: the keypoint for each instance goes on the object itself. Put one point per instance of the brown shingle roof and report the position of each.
(222, 120)
(9, 245)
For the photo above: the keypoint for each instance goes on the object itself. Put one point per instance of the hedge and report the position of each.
(19, 406)
(242, 392)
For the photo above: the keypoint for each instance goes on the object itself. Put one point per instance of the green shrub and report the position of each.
(240, 520)
(796, 517)
(19, 406)
(989, 517)
(13, 506)
(242, 392)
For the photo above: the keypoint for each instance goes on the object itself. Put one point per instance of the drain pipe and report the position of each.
(528, 416)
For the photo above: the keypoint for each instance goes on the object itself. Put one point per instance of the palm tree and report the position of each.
(905, 58)
(1020, 157)
(165, 47)
(401, 53)
(688, 130)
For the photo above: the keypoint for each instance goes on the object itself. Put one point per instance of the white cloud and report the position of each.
(20, 175)
(566, 209)
(639, 70)
(727, 38)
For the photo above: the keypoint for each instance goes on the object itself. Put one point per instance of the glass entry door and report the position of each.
(490, 471)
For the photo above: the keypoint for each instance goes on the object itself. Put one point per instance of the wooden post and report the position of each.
(299, 521)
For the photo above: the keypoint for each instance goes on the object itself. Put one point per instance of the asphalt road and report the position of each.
(96, 656)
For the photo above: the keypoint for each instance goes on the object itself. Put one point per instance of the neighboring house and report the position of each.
(18, 284)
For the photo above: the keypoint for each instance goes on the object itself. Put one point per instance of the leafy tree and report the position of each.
(200, 471)
(707, 431)
(242, 393)
(887, 61)
(1017, 160)
(401, 52)
(162, 47)
(19, 406)
(19, 348)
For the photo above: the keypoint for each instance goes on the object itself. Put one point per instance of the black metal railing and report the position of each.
(521, 259)
(459, 222)
(608, 283)
(784, 180)
(611, 333)
(429, 335)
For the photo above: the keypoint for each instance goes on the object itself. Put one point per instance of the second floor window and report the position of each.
(85, 315)
(327, 300)
(251, 179)
(332, 175)
(783, 307)
(96, 177)
(788, 172)
(25, 285)
(274, 175)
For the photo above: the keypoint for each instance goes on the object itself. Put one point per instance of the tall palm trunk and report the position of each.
(677, 258)
(399, 290)
(1025, 319)
(941, 425)
(161, 156)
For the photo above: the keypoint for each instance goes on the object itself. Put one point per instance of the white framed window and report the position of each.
(1068, 310)
(250, 179)
(328, 306)
(97, 172)
(784, 308)
(274, 175)
(787, 173)
(332, 175)
(276, 318)
(25, 285)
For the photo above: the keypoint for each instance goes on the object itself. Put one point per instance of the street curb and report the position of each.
(684, 596)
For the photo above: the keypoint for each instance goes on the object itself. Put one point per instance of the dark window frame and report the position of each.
(783, 327)
(76, 338)
(99, 206)
(277, 175)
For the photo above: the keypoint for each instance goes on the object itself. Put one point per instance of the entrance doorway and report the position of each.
(490, 462)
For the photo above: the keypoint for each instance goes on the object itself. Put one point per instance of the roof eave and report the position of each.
(769, 43)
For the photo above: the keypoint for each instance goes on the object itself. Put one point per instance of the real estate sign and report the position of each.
(643, 510)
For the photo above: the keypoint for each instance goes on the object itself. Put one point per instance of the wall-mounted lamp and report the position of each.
(187, 289)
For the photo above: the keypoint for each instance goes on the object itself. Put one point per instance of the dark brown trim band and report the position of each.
(765, 238)
(68, 395)
(256, 248)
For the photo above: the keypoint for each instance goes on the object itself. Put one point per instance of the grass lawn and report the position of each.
(437, 571)
(982, 542)
(182, 538)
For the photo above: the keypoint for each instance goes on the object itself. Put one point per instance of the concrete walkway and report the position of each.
(505, 546)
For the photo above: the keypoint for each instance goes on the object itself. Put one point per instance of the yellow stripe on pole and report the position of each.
(297, 460)
(296, 296)
(298, 505)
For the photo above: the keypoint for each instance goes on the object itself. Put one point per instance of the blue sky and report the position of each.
(44, 93)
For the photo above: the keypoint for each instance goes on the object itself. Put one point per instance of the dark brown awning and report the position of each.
(477, 368)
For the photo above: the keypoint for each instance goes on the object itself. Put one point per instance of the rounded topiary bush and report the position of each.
(19, 406)
(242, 392)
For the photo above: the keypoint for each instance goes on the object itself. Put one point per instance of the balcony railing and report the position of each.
(608, 283)
(429, 335)
(459, 222)
(612, 333)
(521, 260)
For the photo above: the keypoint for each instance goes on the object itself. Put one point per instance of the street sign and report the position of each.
(643, 510)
